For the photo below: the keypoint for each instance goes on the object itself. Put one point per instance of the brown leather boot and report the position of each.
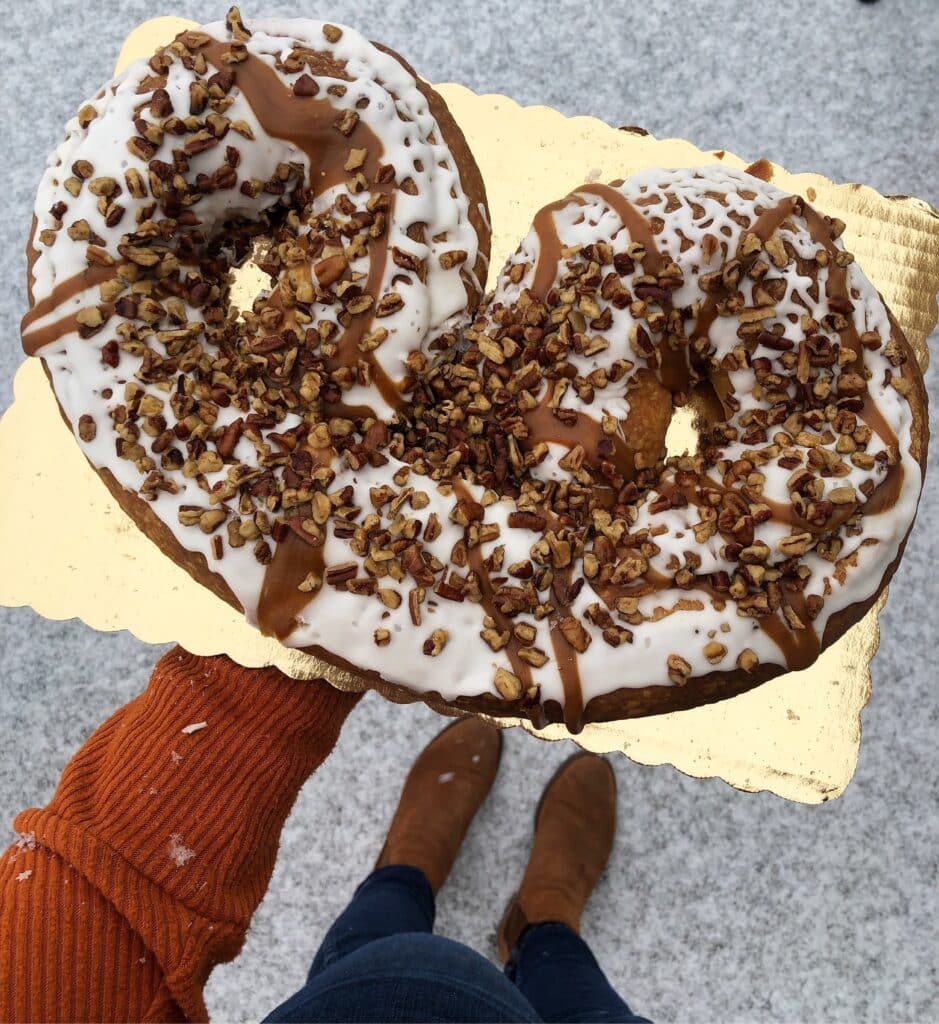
(574, 827)
(443, 791)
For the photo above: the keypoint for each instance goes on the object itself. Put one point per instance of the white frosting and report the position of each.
(345, 623)
(589, 219)
(397, 113)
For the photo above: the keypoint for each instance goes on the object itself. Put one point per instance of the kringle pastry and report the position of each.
(472, 506)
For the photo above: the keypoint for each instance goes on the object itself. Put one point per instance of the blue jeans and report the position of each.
(380, 961)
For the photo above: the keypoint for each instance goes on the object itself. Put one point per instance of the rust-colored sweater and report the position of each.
(144, 870)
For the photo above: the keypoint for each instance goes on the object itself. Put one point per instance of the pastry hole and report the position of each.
(702, 411)
(249, 280)
(682, 434)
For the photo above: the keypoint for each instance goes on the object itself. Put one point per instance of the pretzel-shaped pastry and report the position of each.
(473, 505)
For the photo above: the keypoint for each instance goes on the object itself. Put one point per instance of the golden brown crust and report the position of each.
(153, 526)
(641, 702)
(614, 706)
(619, 704)
(140, 511)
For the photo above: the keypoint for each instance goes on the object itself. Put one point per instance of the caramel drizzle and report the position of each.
(549, 246)
(673, 369)
(308, 123)
(800, 647)
(836, 287)
(565, 654)
(305, 121)
(32, 255)
(62, 327)
(280, 600)
(795, 645)
(568, 665)
(544, 425)
(478, 564)
(348, 353)
(277, 110)
(887, 493)
(36, 339)
(763, 227)
(640, 230)
(296, 555)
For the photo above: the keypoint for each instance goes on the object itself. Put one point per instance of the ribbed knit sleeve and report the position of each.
(144, 870)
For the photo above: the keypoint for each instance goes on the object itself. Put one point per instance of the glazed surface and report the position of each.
(467, 506)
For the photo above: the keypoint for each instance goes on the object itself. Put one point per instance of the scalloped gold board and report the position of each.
(80, 556)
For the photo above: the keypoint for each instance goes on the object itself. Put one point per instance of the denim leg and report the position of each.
(405, 978)
(393, 899)
(556, 972)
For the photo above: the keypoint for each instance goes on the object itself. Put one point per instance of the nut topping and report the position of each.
(508, 475)
(507, 684)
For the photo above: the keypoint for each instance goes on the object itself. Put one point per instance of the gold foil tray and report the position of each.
(71, 551)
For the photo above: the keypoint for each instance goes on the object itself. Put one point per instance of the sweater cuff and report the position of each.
(191, 782)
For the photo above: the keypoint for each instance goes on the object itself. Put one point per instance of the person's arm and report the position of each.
(144, 870)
